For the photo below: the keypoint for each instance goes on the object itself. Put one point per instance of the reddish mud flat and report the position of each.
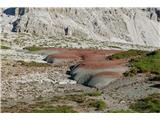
(90, 62)
(102, 64)
(84, 54)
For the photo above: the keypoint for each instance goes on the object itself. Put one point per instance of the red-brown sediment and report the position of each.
(64, 56)
(102, 64)
(91, 59)
(84, 54)
(111, 74)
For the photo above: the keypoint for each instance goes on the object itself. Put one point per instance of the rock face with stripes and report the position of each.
(90, 68)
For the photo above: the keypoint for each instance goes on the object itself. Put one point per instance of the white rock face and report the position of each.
(122, 25)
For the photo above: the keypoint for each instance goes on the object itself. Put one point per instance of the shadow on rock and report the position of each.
(156, 86)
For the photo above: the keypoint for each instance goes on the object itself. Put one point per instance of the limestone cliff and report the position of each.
(139, 26)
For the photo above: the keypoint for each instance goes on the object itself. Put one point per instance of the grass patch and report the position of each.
(76, 98)
(80, 98)
(33, 48)
(33, 64)
(127, 54)
(133, 71)
(85, 100)
(54, 109)
(148, 104)
(115, 47)
(4, 47)
(59, 104)
(98, 104)
(149, 63)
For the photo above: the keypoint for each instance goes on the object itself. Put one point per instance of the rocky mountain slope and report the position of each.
(122, 26)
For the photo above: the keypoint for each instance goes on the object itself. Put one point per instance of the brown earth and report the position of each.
(91, 60)
(102, 64)
(84, 54)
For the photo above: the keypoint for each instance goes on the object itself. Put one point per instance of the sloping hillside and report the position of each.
(124, 27)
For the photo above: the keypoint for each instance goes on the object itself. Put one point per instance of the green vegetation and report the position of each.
(76, 98)
(4, 47)
(5, 35)
(133, 71)
(54, 109)
(62, 104)
(149, 63)
(33, 48)
(148, 104)
(82, 100)
(115, 47)
(33, 64)
(98, 104)
(127, 54)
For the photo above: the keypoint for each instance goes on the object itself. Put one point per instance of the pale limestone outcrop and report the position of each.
(139, 26)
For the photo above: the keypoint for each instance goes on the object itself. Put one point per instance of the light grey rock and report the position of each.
(133, 26)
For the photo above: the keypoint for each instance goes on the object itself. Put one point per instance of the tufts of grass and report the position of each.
(115, 47)
(76, 98)
(33, 64)
(149, 63)
(33, 48)
(80, 98)
(127, 54)
(54, 109)
(59, 104)
(98, 104)
(133, 71)
(148, 104)
(4, 47)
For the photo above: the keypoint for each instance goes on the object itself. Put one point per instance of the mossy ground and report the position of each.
(69, 103)
(149, 63)
(148, 104)
(54, 109)
(98, 104)
(4, 47)
(140, 61)
(33, 64)
(127, 54)
(83, 100)
(33, 48)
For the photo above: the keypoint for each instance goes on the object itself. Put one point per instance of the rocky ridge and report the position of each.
(123, 27)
